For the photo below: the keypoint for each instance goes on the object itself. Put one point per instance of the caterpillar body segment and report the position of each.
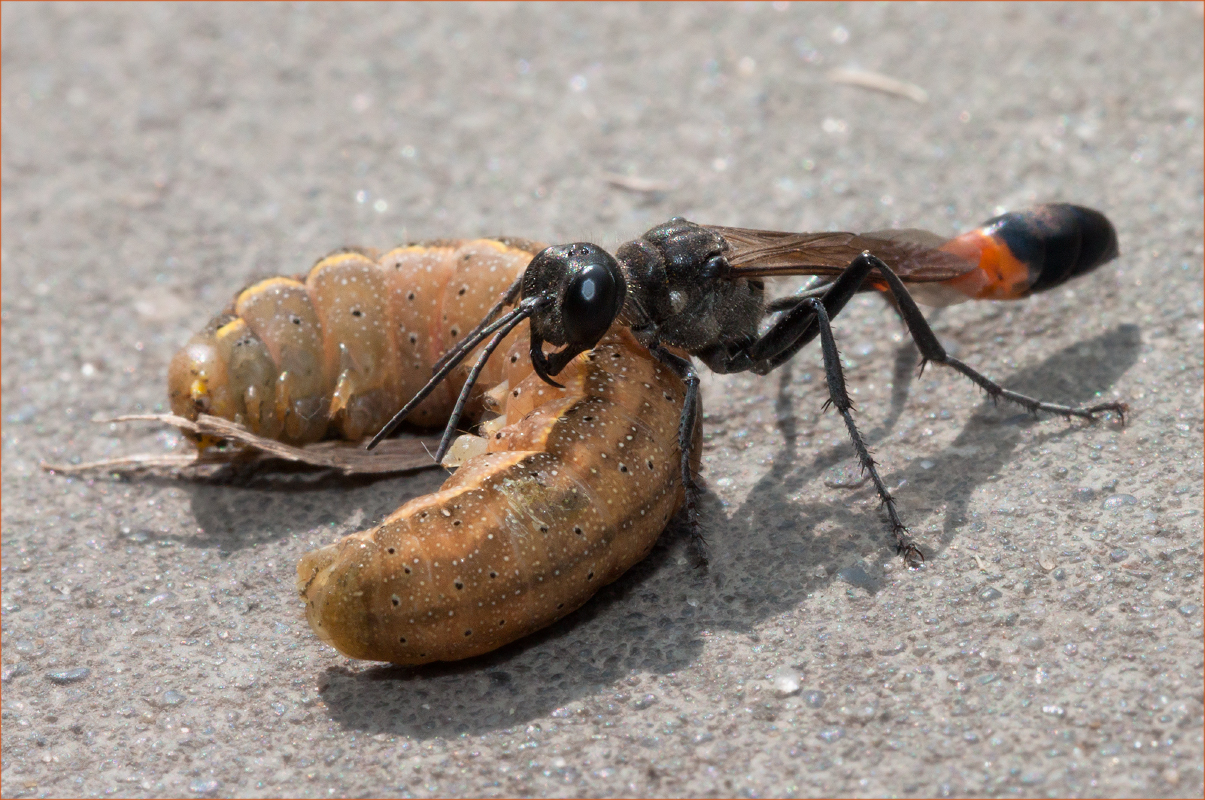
(573, 488)
(340, 349)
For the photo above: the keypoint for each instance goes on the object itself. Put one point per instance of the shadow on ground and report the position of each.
(764, 559)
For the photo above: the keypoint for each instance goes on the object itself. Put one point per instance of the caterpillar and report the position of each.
(561, 493)
(340, 349)
(566, 491)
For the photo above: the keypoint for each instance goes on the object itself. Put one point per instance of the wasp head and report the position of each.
(582, 289)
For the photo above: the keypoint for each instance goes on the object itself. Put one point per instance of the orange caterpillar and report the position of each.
(342, 348)
(568, 489)
(563, 491)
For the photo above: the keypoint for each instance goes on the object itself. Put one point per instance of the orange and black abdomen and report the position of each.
(1029, 251)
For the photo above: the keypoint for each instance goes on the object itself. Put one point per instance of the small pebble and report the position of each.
(786, 681)
(1118, 501)
(15, 671)
(645, 702)
(64, 677)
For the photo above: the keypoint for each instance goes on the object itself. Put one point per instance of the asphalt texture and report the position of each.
(158, 157)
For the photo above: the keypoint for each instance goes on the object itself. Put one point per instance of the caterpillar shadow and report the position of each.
(235, 509)
(643, 622)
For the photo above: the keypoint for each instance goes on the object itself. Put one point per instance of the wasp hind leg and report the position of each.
(931, 350)
(797, 328)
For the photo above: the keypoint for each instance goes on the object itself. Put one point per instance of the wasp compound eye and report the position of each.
(593, 294)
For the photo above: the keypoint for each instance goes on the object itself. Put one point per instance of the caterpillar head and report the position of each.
(197, 382)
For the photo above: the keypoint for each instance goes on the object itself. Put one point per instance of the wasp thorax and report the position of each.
(587, 289)
(682, 293)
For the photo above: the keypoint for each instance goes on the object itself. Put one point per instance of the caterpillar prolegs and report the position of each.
(561, 493)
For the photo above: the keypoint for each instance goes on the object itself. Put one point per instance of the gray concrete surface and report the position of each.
(155, 158)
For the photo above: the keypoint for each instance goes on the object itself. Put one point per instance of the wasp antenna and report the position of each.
(516, 317)
(507, 321)
(508, 298)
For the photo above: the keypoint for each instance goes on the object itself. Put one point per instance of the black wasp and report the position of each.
(700, 288)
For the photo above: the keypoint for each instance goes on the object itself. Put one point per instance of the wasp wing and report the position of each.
(914, 255)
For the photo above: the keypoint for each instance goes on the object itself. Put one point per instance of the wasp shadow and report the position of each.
(774, 551)
(652, 619)
(1074, 376)
(643, 622)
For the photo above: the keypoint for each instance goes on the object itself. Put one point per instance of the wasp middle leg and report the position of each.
(839, 398)
(806, 316)
(686, 427)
